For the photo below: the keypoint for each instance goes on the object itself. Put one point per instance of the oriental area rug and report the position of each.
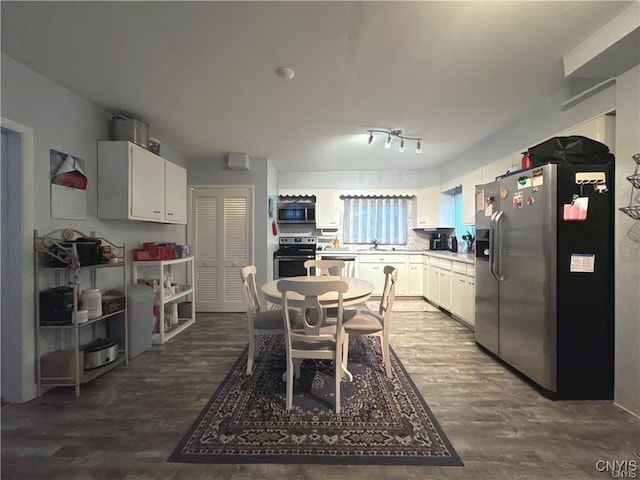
(383, 421)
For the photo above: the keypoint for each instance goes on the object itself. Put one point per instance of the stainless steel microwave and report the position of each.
(297, 213)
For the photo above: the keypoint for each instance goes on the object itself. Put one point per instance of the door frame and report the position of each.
(18, 329)
(191, 223)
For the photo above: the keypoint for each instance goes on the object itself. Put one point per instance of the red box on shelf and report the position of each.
(152, 254)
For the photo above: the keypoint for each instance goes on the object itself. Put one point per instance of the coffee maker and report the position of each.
(438, 242)
(453, 244)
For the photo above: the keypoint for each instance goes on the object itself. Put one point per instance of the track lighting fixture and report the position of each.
(398, 134)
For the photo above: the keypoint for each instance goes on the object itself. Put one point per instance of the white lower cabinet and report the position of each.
(439, 288)
(415, 275)
(374, 273)
(444, 282)
(463, 291)
(425, 276)
(471, 300)
(433, 285)
(445, 289)
(371, 268)
(458, 294)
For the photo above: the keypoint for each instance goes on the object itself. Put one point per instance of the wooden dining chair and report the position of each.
(329, 268)
(312, 339)
(375, 323)
(325, 267)
(261, 320)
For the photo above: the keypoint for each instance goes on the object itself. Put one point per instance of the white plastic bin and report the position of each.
(140, 316)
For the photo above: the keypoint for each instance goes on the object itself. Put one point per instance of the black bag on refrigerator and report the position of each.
(570, 150)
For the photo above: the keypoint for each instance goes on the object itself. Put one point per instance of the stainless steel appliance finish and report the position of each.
(349, 263)
(528, 284)
(288, 260)
(487, 326)
(530, 309)
(101, 352)
(130, 129)
(297, 213)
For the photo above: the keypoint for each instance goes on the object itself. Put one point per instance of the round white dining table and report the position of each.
(359, 291)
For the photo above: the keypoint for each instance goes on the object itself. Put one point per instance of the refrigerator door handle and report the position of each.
(492, 242)
(497, 264)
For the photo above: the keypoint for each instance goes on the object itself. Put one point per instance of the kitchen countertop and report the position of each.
(462, 257)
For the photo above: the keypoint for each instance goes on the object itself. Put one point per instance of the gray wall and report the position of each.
(66, 122)
(627, 245)
(530, 129)
(361, 180)
(215, 172)
(272, 193)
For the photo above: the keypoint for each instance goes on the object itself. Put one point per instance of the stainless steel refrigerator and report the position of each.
(544, 276)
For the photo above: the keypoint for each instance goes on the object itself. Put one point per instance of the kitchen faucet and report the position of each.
(375, 244)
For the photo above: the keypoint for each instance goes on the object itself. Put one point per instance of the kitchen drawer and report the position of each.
(441, 263)
(459, 267)
(416, 259)
(381, 258)
(471, 270)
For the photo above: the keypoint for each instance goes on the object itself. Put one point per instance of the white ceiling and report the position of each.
(202, 74)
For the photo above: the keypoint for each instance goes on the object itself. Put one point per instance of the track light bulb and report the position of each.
(370, 139)
(401, 149)
(387, 144)
(418, 147)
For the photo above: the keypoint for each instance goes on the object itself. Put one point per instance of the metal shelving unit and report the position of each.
(50, 252)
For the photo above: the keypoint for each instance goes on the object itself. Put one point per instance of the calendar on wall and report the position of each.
(68, 186)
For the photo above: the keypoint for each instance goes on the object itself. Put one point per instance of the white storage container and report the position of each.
(92, 301)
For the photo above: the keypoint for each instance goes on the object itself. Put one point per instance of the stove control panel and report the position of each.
(302, 241)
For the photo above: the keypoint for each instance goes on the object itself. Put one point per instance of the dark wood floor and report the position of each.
(126, 423)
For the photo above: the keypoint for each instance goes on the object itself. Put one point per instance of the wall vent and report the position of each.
(238, 161)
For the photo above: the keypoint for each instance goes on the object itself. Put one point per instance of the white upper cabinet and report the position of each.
(132, 186)
(328, 205)
(446, 210)
(146, 185)
(469, 182)
(427, 208)
(175, 193)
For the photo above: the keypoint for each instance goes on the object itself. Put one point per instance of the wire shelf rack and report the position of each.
(633, 210)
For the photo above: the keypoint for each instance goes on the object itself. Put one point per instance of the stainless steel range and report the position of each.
(288, 260)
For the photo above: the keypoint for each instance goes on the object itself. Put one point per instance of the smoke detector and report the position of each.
(285, 72)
